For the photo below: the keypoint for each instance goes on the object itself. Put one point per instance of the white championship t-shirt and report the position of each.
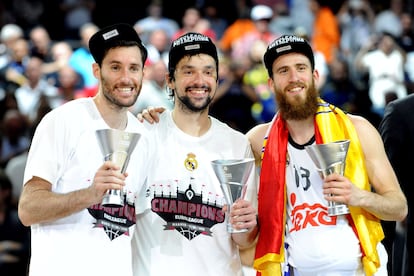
(182, 229)
(65, 152)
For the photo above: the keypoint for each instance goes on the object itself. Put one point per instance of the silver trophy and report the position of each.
(116, 146)
(233, 175)
(330, 158)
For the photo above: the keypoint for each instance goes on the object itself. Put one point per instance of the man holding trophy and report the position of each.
(184, 230)
(319, 209)
(78, 161)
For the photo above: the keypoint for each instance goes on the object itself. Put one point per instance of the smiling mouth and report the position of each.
(126, 89)
(197, 90)
(295, 88)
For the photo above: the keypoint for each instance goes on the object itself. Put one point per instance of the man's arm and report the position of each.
(386, 200)
(39, 204)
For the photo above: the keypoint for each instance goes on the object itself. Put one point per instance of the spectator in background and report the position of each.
(189, 22)
(339, 89)
(362, 105)
(15, 171)
(301, 11)
(326, 35)
(20, 54)
(155, 21)
(61, 53)
(234, 99)
(158, 46)
(355, 18)
(41, 43)
(320, 61)
(282, 22)
(383, 60)
(256, 78)
(8, 101)
(388, 20)
(406, 39)
(218, 22)
(14, 237)
(8, 35)
(243, 24)
(406, 42)
(81, 60)
(68, 84)
(15, 140)
(261, 16)
(154, 88)
(15, 69)
(76, 13)
(29, 95)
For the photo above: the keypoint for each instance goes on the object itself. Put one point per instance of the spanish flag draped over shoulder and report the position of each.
(331, 124)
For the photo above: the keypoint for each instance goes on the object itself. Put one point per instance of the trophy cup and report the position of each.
(330, 158)
(116, 146)
(233, 175)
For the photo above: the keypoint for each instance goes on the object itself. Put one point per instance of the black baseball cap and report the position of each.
(191, 44)
(284, 45)
(110, 37)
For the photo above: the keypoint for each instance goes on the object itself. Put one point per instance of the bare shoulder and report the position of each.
(362, 125)
(369, 136)
(256, 136)
(257, 132)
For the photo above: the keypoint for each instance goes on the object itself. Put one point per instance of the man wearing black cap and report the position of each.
(66, 177)
(295, 228)
(183, 229)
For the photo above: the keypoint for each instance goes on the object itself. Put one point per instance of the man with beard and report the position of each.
(66, 177)
(183, 228)
(296, 233)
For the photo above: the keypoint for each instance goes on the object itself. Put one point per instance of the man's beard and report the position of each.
(188, 105)
(300, 109)
(111, 97)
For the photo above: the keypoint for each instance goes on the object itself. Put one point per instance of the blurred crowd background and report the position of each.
(364, 51)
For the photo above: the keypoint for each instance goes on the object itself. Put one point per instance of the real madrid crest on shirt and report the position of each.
(190, 162)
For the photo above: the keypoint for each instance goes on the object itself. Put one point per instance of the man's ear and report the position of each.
(96, 70)
(170, 81)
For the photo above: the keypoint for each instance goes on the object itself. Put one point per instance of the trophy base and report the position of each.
(230, 229)
(113, 200)
(338, 210)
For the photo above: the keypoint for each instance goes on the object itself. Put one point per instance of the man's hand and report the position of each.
(338, 188)
(108, 177)
(150, 114)
(243, 215)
